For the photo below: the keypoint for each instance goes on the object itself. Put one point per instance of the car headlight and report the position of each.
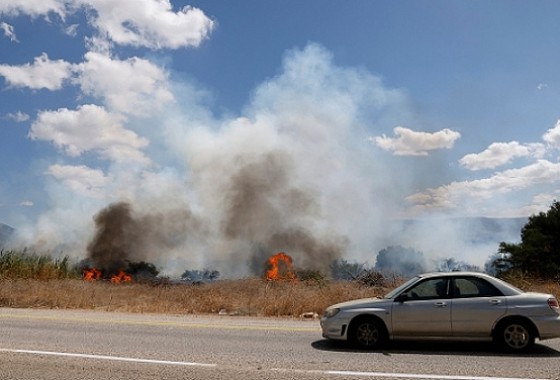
(329, 313)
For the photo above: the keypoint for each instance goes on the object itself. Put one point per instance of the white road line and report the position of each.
(395, 375)
(333, 373)
(105, 357)
(419, 376)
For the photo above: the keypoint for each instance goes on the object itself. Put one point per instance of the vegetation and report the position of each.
(538, 254)
(400, 260)
(451, 265)
(24, 265)
(31, 280)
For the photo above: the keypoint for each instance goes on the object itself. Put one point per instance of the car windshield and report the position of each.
(395, 292)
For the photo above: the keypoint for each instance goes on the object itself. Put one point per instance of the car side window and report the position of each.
(469, 287)
(430, 289)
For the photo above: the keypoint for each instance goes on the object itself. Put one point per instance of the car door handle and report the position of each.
(495, 302)
(440, 304)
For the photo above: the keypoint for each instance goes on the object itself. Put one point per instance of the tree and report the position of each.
(400, 260)
(451, 265)
(538, 254)
(341, 269)
(498, 263)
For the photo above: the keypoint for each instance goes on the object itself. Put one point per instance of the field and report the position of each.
(251, 296)
(30, 281)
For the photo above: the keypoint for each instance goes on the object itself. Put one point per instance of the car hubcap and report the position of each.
(367, 334)
(516, 336)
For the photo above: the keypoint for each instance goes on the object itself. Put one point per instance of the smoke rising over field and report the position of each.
(295, 171)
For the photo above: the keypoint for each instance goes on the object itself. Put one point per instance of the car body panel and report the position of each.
(421, 318)
(474, 317)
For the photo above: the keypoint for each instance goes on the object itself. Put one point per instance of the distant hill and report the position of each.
(479, 230)
(5, 233)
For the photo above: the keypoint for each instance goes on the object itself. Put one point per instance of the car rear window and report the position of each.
(474, 287)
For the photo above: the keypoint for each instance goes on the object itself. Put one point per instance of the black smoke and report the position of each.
(126, 239)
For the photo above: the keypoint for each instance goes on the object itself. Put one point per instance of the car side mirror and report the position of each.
(402, 297)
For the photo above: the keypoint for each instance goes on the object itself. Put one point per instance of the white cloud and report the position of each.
(8, 31)
(81, 179)
(461, 194)
(149, 23)
(43, 73)
(71, 30)
(26, 204)
(412, 143)
(133, 86)
(540, 203)
(89, 128)
(498, 154)
(33, 8)
(146, 23)
(552, 136)
(18, 116)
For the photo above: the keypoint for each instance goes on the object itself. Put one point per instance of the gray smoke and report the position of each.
(265, 208)
(122, 236)
(262, 210)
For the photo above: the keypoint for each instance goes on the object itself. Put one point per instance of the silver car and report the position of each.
(455, 305)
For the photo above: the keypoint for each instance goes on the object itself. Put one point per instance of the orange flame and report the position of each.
(280, 268)
(92, 274)
(122, 276)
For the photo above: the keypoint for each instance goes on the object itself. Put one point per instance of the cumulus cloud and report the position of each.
(81, 179)
(33, 8)
(149, 23)
(552, 136)
(498, 154)
(132, 86)
(8, 31)
(89, 128)
(465, 193)
(412, 143)
(143, 23)
(42, 74)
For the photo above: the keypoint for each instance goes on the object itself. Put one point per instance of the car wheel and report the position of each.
(367, 333)
(516, 335)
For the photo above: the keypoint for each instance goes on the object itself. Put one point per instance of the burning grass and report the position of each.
(34, 281)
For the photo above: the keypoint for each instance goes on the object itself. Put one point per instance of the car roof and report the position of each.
(454, 273)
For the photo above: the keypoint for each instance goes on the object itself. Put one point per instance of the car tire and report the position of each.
(515, 335)
(367, 333)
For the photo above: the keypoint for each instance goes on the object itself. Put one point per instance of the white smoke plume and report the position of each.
(294, 172)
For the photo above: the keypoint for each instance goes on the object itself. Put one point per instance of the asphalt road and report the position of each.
(60, 344)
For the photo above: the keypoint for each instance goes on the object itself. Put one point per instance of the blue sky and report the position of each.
(368, 111)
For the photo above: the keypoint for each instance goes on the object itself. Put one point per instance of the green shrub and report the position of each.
(25, 265)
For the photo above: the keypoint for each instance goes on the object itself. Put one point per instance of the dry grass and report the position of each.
(252, 296)
(38, 281)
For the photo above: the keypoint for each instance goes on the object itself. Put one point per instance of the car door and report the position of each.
(476, 305)
(423, 310)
